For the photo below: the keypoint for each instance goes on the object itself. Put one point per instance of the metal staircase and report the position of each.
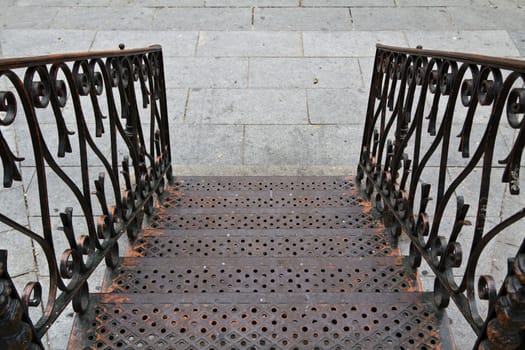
(262, 263)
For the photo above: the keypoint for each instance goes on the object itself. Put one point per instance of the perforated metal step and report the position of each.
(262, 321)
(262, 243)
(267, 275)
(262, 263)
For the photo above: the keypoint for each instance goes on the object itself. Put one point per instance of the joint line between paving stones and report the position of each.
(253, 16)
(93, 41)
(243, 144)
(197, 43)
(186, 106)
(309, 122)
(406, 38)
(361, 72)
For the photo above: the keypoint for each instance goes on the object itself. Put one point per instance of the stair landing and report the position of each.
(262, 263)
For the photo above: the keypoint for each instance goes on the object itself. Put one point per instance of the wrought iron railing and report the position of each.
(105, 114)
(409, 166)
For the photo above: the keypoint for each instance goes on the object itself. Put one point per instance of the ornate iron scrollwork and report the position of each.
(418, 98)
(119, 95)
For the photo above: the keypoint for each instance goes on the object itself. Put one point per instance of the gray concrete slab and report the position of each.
(62, 2)
(302, 19)
(173, 43)
(216, 145)
(252, 3)
(247, 106)
(60, 196)
(484, 42)
(401, 18)
(488, 18)
(301, 144)
(104, 18)
(20, 258)
(50, 137)
(202, 19)
(304, 73)
(442, 3)
(177, 104)
(242, 43)
(33, 42)
(347, 3)
(337, 106)
(519, 41)
(12, 205)
(18, 17)
(167, 3)
(206, 72)
(349, 43)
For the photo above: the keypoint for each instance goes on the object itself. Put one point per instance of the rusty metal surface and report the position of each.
(260, 321)
(262, 263)
(263, 183)
(262, 243)
(266, 275)
(329, 218)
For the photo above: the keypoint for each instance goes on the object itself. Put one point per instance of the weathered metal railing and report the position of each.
(106, 109)
(410, 168)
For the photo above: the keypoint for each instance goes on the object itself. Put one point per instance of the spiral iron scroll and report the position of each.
(122, 93)
(417, 94)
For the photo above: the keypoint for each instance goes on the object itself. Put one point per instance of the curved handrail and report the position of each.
(116, 97)
(419, 100)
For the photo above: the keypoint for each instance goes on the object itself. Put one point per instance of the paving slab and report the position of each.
(15, 17)
(34, 42)
(12, 205)
(347, 3)
(487, 18)
(349, 43)
(305, 72)
(366, 64)
(20, 258)
(507, 3)
(442, 3)
(173, 43)
(302, 19)
(401, 18)
(50, 137)
(168, 3)
(519, 41)
(252, 3)
(104, 18)
(207, 144)
(203, 19)
(485, 42)
(337, 106)
(62, 2)
(301, 144)
(247, 106)
(177, 103)
(206, 72)
(60, 195)
(243, 43)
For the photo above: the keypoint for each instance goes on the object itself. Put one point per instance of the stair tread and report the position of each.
(261, 183)
(262, 263)
(261, 321)
(320, 218)
(262, 243)
(252, 275)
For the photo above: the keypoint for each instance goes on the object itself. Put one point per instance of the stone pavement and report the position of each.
(254, 86)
